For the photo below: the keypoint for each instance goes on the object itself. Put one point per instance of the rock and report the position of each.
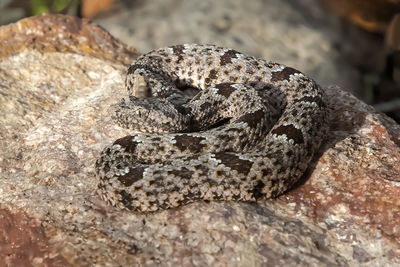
(23, 243)
(54, 123)
(63, 34)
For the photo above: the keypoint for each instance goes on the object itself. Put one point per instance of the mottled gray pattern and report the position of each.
(249, 133)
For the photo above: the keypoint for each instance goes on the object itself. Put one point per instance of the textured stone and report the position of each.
(49, 33)
(54, 123)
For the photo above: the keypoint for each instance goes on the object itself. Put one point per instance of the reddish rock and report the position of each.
(60, 33)
(23, 242)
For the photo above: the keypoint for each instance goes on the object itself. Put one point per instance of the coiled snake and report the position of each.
(249, 133)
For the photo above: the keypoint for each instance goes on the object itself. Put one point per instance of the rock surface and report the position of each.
(54, 123)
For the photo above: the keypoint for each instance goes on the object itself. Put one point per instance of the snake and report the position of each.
(210, 123)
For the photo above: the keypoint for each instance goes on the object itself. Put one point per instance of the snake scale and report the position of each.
(249, 133)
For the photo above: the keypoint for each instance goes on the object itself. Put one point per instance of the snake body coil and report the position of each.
(249, 133)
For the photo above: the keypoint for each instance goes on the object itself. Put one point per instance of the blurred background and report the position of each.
(351, 43)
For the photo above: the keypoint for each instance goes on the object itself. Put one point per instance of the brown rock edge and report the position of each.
(61, 33)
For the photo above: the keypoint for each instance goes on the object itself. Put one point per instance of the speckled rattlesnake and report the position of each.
(249, 133)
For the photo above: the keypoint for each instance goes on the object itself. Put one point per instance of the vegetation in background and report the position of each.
(54, 6)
